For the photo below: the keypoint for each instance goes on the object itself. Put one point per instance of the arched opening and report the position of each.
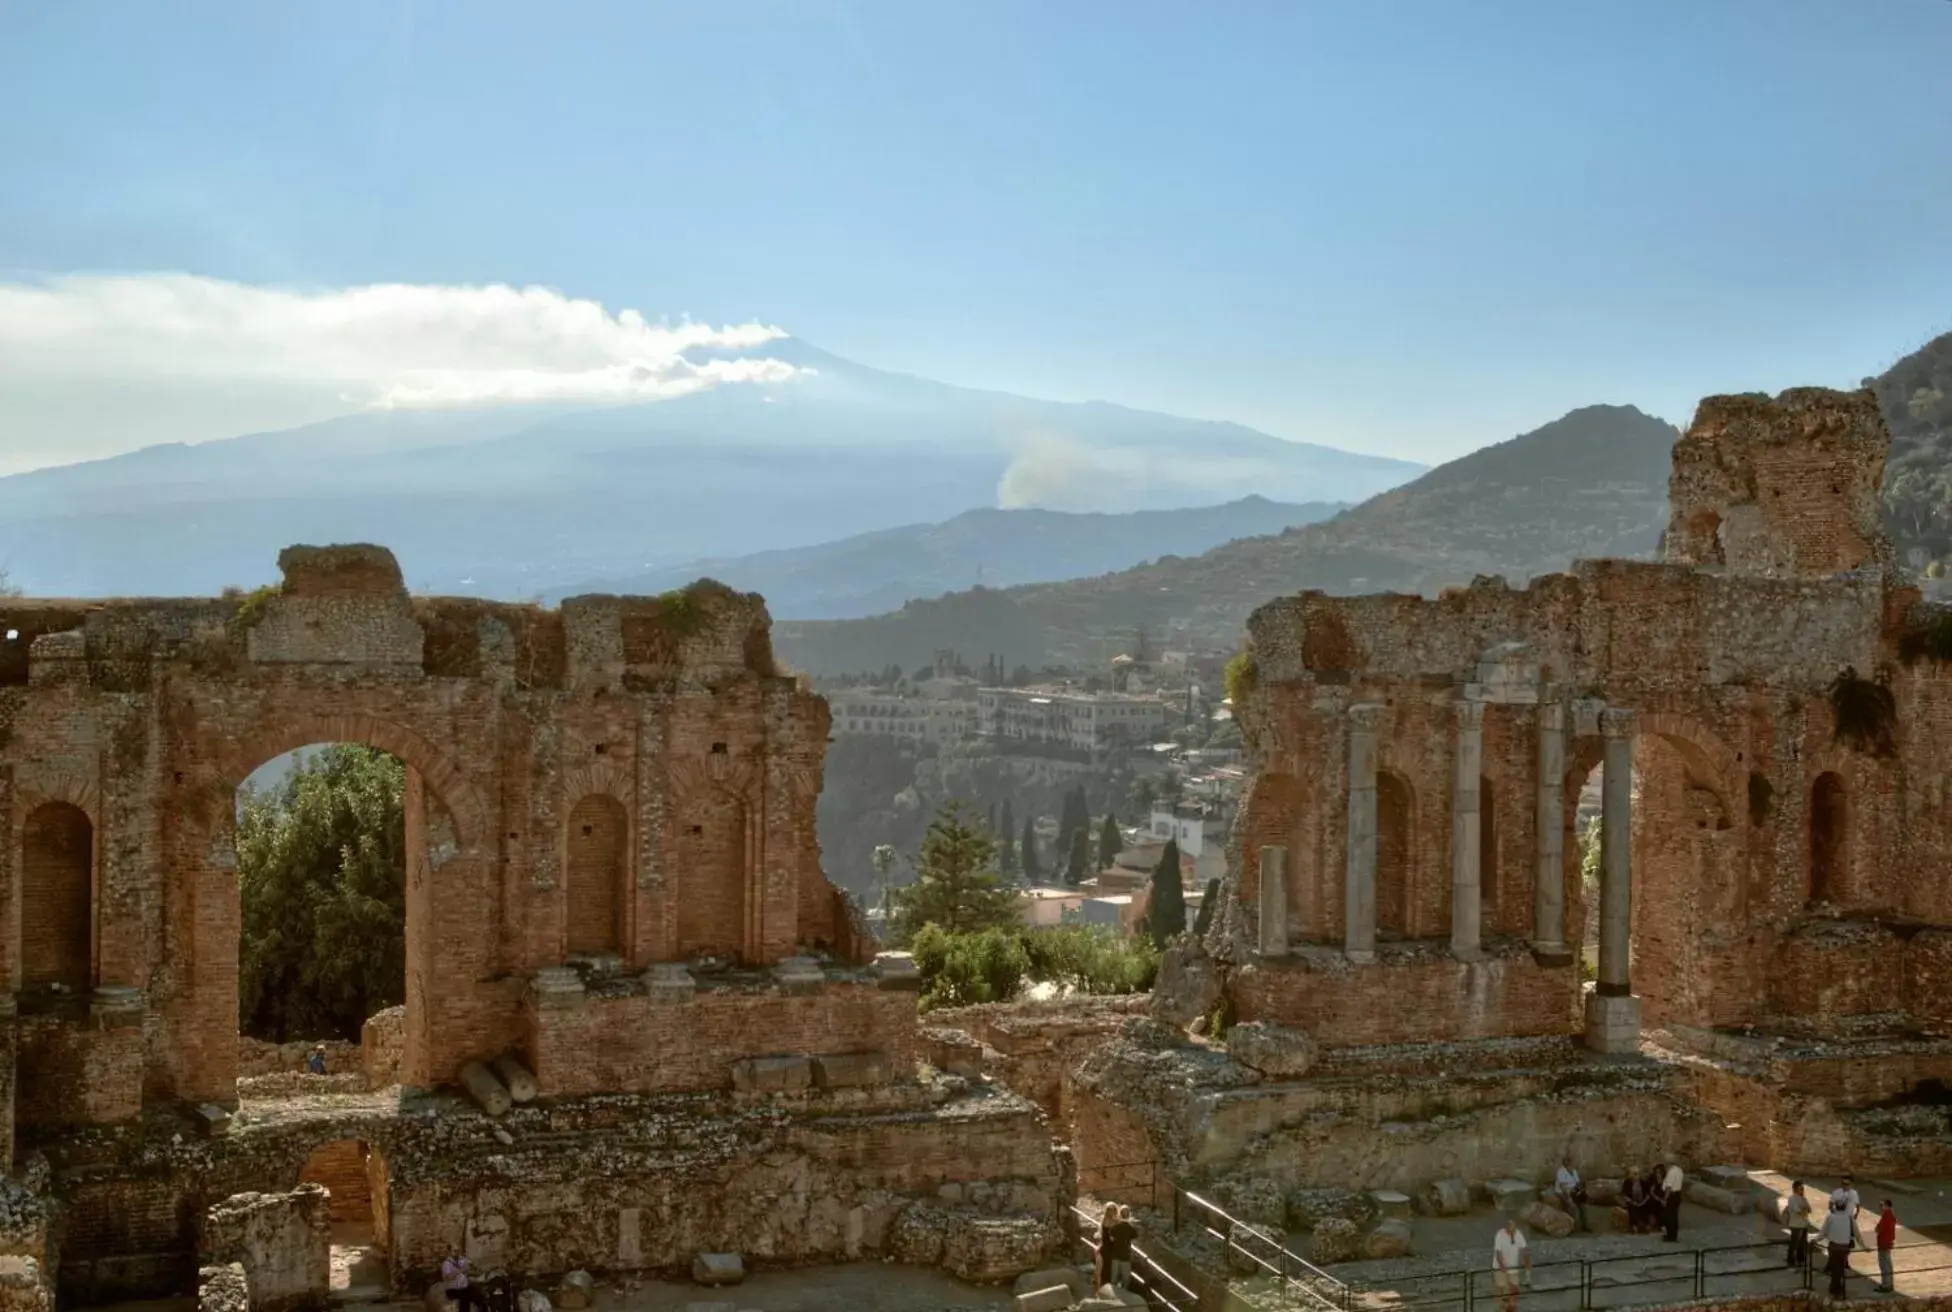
(1829, 837)
(1488, 873)
(347, 1169)
(323, 855)
(57, 903)
(1584, 790)
(1393, 829)
(711, 851)
(598, 834)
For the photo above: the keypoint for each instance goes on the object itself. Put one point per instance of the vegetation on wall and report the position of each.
(321, 873)
(1866, 714)
(252, 607)
(1927, 635)
(1242, 677)
(996, 964)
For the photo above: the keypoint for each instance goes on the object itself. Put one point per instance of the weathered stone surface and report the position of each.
(1255, 1199)
(1707, 1195)
(918, 1235)
(772, 1074)
(515, 1077)
(576, 1291)
(1541, 1217)
(283, 1242)
(221, 1289)
(1333, 1240)
(1045, 1277)
(1391, 1204)
(1511, 1197)
(986, 1249)
(1307, 1208)
(532, 1300)
(1605, 1191)
(849, 1070)
(718, 1268)
(1734, 1179)
(1273, 1050)
(1447, 1198)
(1390, 1238)
(1050, 1298)
(489, 1093)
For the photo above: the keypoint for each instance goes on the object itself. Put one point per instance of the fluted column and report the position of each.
(1612, 1012)
(1466, 828)
(1549, 887)
(1359, 893)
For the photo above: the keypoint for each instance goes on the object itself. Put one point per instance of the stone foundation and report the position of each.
(282, 1242)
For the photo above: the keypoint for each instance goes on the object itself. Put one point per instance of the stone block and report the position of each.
(221, 1289)
(213, 1121)
(1391, 1238)
(1612, 1024)
(1734, 1179)
(1447, 1198)
(282, 1241)
(1391, 1205)
(986, 1249)
(718, 1268)
(557, 986)
(799, 975)
(670, 984)
(849, 1070)
(1052, 1298)
(1335, 1239)
(532, 1300)
(897, 970)
(772, 1074)
(1543, 1218)
(1045, 1277)
(917, 1235)
(1273, 1050)
(576, 1291)
(1605, 1191)
(489, 1093)
(1702, 1194)
(1511, 1197)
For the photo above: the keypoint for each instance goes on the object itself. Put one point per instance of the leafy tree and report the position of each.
(1027, 851)
(1077, 863)
(321, 872)
(956, 887)
(1589, 855)
(962, 969)
(1166, 913)
(1006, 841)
(1110, 842)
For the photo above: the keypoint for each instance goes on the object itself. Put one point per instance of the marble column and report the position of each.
(1549, 888)
(1466, 827)
(1612, 1012)
(1359, 894)
(1274, 902)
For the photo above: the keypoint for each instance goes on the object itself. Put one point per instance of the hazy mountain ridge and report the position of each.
(516, 501)
(875, 572)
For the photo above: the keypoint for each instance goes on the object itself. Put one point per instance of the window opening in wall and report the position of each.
(1582, 849)
(321, 879)
(359, 1269)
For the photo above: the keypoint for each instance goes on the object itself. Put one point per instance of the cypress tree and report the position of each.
(1006, 842)
(1076, 867)
(1110, 842)
(1027, 851)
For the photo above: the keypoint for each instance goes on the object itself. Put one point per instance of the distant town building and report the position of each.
(874, 711)
(1200, 829)
(1086, 723)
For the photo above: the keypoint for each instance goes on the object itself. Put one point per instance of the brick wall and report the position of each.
(634, 1043)
(341, 1168)
(68, 1072)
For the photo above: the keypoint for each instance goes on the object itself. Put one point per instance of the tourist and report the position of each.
(1887, 1236)
(1796, 1215)
(315, 1063)
(1671, 1186)
(1836, 1242)
(1101, 1271)
(1511, 1263)
(1572, 1194)
(1639, 1199)
(454, 1275)
(1845, 1195)
(1116, 1243)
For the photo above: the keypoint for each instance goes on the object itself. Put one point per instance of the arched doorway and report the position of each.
(1829, 838)
(1394, 826)
(348, 1171)
(598, 834)
(57, 899)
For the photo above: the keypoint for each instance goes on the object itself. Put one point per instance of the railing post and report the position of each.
(1585, 1285)
(1470, 1289)
(1700, 1272)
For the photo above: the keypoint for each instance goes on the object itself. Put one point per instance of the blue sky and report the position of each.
(1410, 228)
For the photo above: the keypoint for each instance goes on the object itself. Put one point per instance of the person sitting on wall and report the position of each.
(454, 1275)
(315, 1062)
(1572, 1194)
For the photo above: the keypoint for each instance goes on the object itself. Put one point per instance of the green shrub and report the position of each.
(959, 970)
(1242, 676)
(993, 965)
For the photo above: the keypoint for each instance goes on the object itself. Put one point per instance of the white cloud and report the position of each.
(248, 355)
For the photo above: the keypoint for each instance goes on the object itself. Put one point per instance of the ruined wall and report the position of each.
(1041, 1045)
(666, 716)
(283, 1242)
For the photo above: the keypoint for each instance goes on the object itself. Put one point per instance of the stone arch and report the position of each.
(1829, 838)
(57, 897)
(1395, 853)
(595, 864)
(1710, 763)
(438, 771)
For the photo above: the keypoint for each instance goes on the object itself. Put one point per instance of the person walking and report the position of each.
(1796, 1216)
(1671, 1187)
(1887, 1238)
(1836, 1243)
(1572, 1194)
(1511, 1263)
(1117, 1243)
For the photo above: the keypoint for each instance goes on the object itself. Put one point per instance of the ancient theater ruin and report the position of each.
(1398, 974)
(673, 1035)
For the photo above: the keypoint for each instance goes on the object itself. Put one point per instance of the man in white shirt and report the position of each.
(1671, 1186)
(1566, 1185)
(1511, 1262)
(1845, 1196)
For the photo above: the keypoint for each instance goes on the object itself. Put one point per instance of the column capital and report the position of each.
(1366, 717)
(1470, 713)
(1618, 722)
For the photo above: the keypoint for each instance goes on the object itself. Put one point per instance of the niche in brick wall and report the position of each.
(598, 834)
(1394, 808)
(1829, 837)
(56, 897)
(710, 862)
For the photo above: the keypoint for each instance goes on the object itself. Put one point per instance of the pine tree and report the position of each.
(1167, 911)
(1076, 866)
(1110, 842)
(1027, 851)
(1006, 842)
(956, 885)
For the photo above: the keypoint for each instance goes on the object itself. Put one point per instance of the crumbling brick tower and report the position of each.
(1780, 486)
